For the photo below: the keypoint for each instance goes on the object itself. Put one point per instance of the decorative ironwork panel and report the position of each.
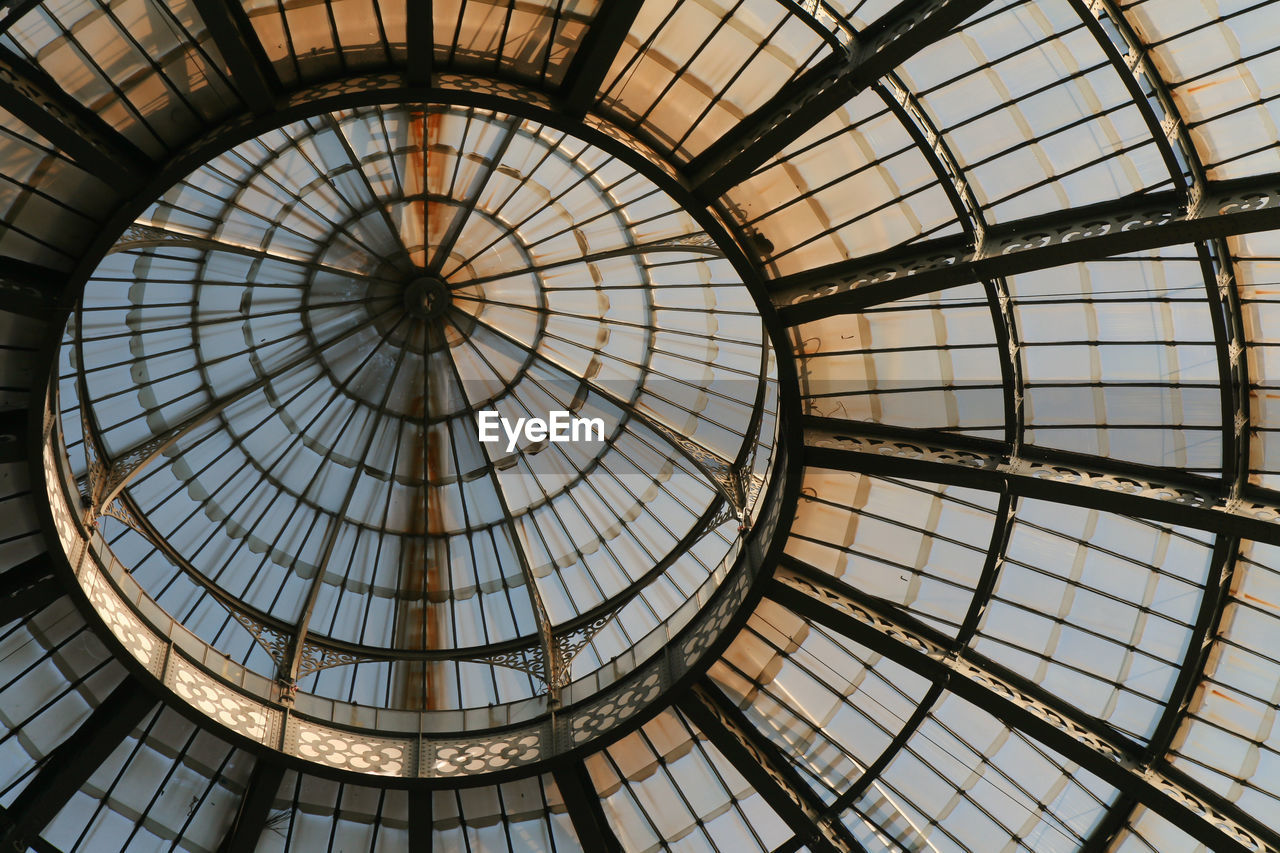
(362, 753)
(230, 707)
(275, 642)
(119, 618)
(530, 659)
(604, 714)
(316, 658)
(468, 757)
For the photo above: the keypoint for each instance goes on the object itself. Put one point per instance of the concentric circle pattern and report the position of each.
(934, 505)
(321, 324)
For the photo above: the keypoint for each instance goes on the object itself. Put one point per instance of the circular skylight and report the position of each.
(426, 408)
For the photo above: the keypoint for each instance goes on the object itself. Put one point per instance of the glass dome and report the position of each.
(934, 507)
(277, 380)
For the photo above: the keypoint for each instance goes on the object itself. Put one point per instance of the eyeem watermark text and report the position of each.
(558, 426)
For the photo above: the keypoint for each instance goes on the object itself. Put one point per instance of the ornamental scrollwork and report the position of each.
(315, 658)
(121, 512)
(569, 644)
(902, 450)
(714, 624)
(700, 240)
(273, 641)
(530, 660)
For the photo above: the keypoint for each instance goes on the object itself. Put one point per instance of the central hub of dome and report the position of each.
(426, 297)
(454, 442)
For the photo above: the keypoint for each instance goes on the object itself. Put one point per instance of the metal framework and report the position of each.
(595, 55)
(1160, 494)
(766, 768)
(901, 33)
(255, 806)
(250, 72)
(29, 289)
(420, 820)
(34, 98)
(1024, 706)
(27, 588)
(1081, 234)
(420, 43)
(1188, 213)
(66, 770)
(583, 804)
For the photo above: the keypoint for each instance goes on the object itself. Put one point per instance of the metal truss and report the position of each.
(251, 73)
(951, 177)
(901, 33)
(69, 766)
(1151, 98)
(583, 803)
(1154, 100)
(770, 773)
(1023, 706)
(1079, 234)
(34, 98)
(1143, 491)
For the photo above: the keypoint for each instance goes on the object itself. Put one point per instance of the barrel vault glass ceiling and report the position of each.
(939, 505)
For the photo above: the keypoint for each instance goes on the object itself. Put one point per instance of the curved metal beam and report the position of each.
(1087, 233)
(1144, 491)
(1024, 706)
(769, 771)
(899, 34)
